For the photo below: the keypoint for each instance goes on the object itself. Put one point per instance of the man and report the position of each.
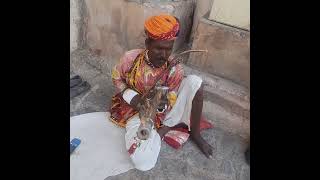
(136, 73)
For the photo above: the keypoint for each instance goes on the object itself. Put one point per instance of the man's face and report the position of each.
(159, 51)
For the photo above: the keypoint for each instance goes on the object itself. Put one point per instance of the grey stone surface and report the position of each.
(98, 98)
(188, 163)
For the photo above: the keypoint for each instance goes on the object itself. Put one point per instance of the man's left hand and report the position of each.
(163, 102)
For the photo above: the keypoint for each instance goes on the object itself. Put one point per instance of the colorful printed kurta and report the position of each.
(133, 72)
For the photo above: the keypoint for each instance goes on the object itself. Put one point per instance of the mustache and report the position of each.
(161, 62)
(162, 59)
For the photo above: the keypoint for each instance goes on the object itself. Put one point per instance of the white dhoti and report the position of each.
(147, 151)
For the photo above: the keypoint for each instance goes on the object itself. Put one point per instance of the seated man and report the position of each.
(136, 73)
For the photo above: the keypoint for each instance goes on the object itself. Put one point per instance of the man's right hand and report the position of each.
(151, 94)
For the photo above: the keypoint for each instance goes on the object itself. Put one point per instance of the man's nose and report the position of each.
(164, 53)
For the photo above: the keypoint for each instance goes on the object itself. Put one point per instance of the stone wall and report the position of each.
(113, 27)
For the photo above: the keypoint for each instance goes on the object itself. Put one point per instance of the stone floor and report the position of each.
(228, 161)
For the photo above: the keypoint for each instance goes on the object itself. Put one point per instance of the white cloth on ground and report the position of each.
(102, 151)
(145, 156)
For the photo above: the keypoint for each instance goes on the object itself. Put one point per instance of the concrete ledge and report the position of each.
(232, 92)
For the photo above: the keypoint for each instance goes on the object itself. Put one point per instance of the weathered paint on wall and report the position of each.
(232, 12)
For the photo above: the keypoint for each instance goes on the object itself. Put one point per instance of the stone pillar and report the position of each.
(202, 8)
(74, 24)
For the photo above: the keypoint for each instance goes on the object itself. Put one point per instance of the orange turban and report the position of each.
(162, 27)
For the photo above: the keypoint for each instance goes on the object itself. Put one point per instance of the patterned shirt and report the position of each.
(140, 76)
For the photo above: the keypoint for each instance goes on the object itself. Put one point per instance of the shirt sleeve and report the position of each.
(119, 71)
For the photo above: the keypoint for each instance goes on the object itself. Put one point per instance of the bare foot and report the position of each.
(203, 145)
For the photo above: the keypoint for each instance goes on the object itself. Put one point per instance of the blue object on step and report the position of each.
(74, 144)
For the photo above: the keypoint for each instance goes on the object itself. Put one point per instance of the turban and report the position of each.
(162, 27)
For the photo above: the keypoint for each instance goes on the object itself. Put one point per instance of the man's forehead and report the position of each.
(163, 43)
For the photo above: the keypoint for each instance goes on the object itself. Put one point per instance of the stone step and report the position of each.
(225, 120)
(234, 98)
(226, 104)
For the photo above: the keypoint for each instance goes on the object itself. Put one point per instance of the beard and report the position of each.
(159, 62)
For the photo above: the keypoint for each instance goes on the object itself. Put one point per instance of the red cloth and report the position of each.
(178, 136)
